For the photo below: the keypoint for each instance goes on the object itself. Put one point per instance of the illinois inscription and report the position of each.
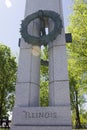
(29, 115)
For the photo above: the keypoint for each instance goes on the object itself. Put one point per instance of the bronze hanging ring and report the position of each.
(45, 39)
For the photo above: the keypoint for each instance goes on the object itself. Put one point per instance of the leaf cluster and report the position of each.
(77, 54)
(8, 68)
(44, 79)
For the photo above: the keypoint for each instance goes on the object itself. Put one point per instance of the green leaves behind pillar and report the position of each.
(8, 68)
(77, 58)
(44, 79)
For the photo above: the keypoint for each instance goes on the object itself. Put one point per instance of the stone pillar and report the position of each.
(28, 77)
(58, 74)
(27, 115)
(27, 86)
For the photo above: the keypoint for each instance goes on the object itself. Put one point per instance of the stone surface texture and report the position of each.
(48, 116)
(42, 128)
(27, 115)
(28, 76)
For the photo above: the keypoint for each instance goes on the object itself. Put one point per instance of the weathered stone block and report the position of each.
(36, 5)
(25, 97)
(59, 93)
(58, 63)
(29, 62)
(41, 128)
(40, 116)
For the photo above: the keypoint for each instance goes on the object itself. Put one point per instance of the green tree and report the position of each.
(44, 77)
(77, 54)
(8, 68)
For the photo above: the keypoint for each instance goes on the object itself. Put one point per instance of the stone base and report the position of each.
(41, 118)
(41, 128)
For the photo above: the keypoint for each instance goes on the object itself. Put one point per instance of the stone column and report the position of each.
(58, 75)
(27, 115)
(28, 77)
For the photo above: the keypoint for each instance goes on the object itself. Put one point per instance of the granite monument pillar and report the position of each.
(27, 113)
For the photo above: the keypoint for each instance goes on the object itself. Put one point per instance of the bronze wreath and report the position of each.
(43, 40)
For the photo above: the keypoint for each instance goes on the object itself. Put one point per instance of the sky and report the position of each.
(11, 14)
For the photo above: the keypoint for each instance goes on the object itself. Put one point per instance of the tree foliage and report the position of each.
(44, 79)
(77, 58)
(8, 69)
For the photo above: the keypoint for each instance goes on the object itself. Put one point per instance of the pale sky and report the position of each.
(11, 14)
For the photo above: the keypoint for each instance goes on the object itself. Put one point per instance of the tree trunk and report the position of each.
(0, 110)
(78, 123)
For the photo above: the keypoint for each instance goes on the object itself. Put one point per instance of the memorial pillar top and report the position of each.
(35, 5)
